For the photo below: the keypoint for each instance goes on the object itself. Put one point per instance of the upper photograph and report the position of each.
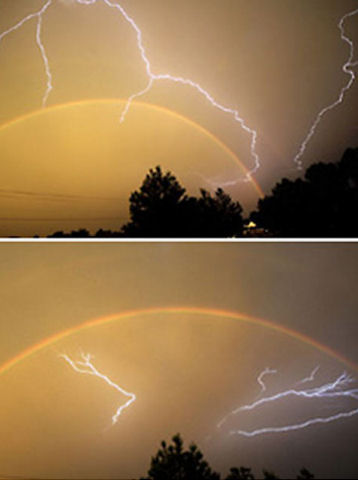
(193, 119)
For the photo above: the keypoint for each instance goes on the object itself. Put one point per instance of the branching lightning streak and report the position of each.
(328, 390)
(44, 55)
(347, 69)
(260, 381)
(267, 371)
(88, 368)
(184, 81)
(290, 428)
(152, 77)
(335, 389)
(310, 378)
(39, 15)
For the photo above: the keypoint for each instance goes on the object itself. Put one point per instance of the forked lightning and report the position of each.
(153, 77)
(337, 389)
(86, 367)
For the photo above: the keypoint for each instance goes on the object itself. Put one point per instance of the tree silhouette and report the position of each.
(218, 216)
(269, 475)
(161, 208)
(80, 233)
(106, 234)
(241, 473)
(174, 463)
(305, 474)
(285, 212)
(323, 204)
(155, 208)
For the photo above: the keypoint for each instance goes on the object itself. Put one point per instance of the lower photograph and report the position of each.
(184, 361)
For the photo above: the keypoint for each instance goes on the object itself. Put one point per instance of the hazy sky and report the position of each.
(277, 62)
(188, 370)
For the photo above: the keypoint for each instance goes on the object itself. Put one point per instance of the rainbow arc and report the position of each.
(172, 311)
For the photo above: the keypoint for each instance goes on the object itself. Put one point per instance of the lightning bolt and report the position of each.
(39, 16)
(86, 367)
(310, 378)
(331, 390)
(299, 426)
(153, 77)
(260, 381)
(347, 69)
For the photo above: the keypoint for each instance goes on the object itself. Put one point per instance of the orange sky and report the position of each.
(187, 368)
(77, 162)
(278, 63)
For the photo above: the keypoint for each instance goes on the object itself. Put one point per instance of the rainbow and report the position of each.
(93, 323)
(172, 113)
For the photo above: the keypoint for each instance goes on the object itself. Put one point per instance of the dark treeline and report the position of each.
(161, 208)
(321, 204)
(173, 462)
